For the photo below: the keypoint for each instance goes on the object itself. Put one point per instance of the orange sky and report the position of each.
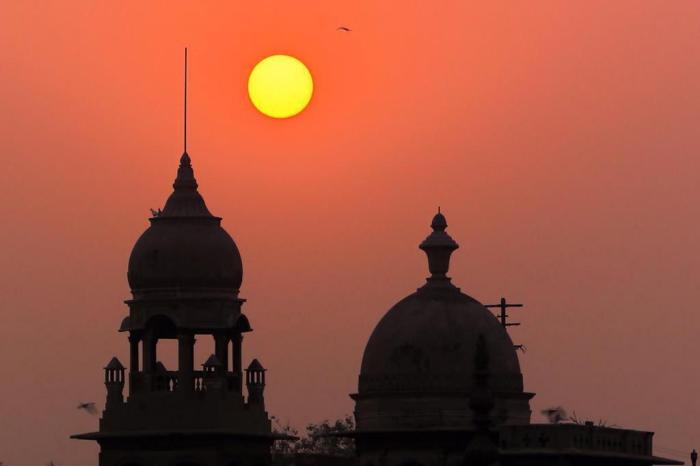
(560, 138)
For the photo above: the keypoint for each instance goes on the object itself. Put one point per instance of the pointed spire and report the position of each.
(255, 366)
(185, 174)
(184, 132)
(213, 361)
(114, 363)
(185, 201)
(438, 246)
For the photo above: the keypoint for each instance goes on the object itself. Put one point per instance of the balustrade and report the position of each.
(167, 381)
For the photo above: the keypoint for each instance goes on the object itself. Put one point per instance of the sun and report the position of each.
(280, 86)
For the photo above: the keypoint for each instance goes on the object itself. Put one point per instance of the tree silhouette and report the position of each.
(319, 439)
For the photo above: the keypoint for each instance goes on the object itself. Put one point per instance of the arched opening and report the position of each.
(168, 353)
(203, 348)
(159, 344)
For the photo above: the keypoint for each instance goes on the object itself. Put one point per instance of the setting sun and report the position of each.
(280, 86)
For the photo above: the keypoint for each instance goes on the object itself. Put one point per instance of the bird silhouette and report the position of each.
(89, 407)
(555, 415)
(343, 29)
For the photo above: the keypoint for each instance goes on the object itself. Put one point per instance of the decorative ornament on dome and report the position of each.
(185, 174)
(439, 221)
(185, 201)
(439, 246)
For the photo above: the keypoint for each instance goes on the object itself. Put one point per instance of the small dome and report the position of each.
(185, 246)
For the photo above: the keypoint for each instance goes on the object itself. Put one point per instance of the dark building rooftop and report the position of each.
(565, 444)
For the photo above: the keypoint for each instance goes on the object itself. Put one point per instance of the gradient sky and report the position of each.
(560, 138)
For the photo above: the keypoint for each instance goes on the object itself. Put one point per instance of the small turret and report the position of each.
(255, 382)
(212, 365)
(213, 372)
(114, 380)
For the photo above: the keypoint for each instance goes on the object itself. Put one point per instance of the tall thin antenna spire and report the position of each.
(185, 115)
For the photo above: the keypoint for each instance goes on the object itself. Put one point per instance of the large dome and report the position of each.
(185, 247)
(419, 366)
(426, 343)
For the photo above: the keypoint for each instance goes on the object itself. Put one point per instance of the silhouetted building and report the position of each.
(185, 272)
(418, 371)
(576, 444)
(440, 384)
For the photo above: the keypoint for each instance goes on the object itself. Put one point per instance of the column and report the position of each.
(221, 348)
(238, 359)
(134, 352)
(149, 352)
(185, 352)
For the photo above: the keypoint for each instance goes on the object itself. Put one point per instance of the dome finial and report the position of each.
(439, 247)
(185, 174)
(184, 117)
(439, 222)
(185, 201)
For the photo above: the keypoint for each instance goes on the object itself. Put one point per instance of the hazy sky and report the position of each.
(560, 138)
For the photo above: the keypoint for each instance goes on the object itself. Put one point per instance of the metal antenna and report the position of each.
(503, 317)
(185, 115)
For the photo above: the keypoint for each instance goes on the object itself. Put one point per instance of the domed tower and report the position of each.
(418, 376)
(185, 273)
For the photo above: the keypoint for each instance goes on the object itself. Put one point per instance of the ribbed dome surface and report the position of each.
(185, 246)
(426, 343)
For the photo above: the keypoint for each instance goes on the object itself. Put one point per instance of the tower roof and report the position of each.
(114, 363)
(185, 247)
(212, 361)
(185, 201)
(255, 366)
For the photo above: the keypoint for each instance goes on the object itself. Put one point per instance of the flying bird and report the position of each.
(555, 415)
(343, 29)
(89, 407)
